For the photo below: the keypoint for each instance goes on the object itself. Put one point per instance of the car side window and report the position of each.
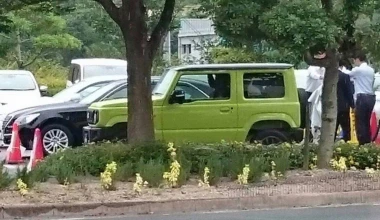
(263, 85)
(206, 86)
(191, 92)
(119, 94)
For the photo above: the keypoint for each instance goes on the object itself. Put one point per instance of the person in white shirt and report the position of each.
(314, 79)
(364, 77)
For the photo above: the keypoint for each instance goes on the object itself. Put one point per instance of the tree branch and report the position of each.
(162, 26)
(34, 59)
(111, 9)
(5, 36)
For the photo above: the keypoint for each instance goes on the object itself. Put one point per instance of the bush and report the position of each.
(222, 159)
(124, 171)
(151, 171)
(26, 177)
(5, 178)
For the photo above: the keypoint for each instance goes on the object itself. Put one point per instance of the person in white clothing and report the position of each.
(314, 79)
(316, 113)
(364, 77)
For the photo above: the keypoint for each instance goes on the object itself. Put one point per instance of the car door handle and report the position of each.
(225, 109)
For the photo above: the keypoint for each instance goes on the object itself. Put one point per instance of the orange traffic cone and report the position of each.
(14, 149)
(373, 124)
(37, 152)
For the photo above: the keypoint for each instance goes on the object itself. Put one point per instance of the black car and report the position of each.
(61, 124)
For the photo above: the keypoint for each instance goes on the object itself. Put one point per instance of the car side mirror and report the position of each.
(178, 96)
(75, 98)
(43, 90)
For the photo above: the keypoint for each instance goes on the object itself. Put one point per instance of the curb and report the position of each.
(190, 205)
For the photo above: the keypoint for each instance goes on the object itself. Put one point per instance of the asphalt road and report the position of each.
(358, 212)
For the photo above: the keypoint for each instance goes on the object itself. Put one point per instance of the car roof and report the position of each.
(105, 78)
(15, 72)
(100, 62)
(234, 66)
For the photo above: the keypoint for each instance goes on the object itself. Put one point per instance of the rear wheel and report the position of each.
(268, 137)
(56, 137)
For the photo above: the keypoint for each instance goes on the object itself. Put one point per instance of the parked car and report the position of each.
(16, 85)
(72, 94)
(268, 110)
(93, 67)
(61, 124)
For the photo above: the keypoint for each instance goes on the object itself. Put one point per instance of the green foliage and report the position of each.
(256, 166)
(124, 171)
(5, 179)
(214, 163)
(26, 177)
(298, 25)
(232, 55)
(151, 171)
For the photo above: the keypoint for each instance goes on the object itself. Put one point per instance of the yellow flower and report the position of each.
(138, 184)
(339, 165)
(22, 187)
(243, 178)
(106, 177)
(339, 150)
(205, 181)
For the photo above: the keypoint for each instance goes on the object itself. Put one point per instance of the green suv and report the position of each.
(210, 103)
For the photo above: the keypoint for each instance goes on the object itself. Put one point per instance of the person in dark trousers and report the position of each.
(364, 77)
(345, 95)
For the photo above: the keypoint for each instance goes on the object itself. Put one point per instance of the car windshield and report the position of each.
(100, 93)
(163, 85)
(83, 89)
(17, 82)
(102, 70)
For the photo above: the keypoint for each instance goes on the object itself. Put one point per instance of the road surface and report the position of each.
(358, 212)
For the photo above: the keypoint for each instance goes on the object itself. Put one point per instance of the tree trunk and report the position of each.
(140, 111)
(140, 61)
(141, 49)
(18, 50)
(329, 111)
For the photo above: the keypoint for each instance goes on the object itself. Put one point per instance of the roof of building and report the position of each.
(236, 66)
(99, 62)
(196, 27)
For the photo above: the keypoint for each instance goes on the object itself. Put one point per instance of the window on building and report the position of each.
(263, 85)
(186, 48)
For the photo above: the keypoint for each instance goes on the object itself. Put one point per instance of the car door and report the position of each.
(202, 118)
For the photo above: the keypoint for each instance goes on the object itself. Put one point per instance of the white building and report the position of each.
(193, 35)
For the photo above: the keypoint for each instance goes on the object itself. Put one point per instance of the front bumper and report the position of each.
(93, 134)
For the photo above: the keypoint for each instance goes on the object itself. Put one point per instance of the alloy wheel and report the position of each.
(54, 140)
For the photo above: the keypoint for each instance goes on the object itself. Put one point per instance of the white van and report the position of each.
(93, 67)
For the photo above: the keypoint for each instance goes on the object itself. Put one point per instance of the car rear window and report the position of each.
(17, 82)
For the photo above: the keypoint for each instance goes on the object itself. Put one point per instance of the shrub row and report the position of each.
(223, 160)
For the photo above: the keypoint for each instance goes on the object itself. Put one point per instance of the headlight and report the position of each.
(27, 119)
(95, 117)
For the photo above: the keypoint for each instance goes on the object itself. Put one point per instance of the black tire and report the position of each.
(267, 137)
(52, 128)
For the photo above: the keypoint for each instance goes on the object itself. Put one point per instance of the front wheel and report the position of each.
(56, 137)
(268, 137)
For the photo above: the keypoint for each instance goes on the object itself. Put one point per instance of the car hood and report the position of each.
(57, 107)
(7, 97)
(68, 106)
(27, 103)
